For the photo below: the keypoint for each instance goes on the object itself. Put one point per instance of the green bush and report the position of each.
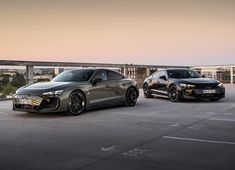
(8, 89)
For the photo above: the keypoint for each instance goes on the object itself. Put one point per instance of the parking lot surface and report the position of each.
(156, 134)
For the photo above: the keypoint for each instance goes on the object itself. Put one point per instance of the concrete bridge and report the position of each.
(135, 71)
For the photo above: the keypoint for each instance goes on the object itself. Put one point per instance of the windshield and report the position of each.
(74, 76)
(183, 74)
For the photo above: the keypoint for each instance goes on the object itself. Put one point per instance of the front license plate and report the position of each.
(25, 101)
(208, 91)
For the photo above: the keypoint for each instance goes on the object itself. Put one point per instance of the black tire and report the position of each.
(76, 103)
(131, 96)
(147, 93)
(13, 107)
(173, 93)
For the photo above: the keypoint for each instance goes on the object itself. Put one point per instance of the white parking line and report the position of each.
(228, 114)
(174, 125)
(199, 140)
(196, 127)
(211, 113)
(219, 119)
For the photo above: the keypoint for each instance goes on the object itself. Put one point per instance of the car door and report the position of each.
(100, 92)
(115, 85)
(163, 83)
(153, 82)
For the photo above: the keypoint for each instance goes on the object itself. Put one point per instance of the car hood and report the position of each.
(38, 88)
(198, 81)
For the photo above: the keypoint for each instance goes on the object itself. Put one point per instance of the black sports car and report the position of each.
(180, 84)
(76, 90)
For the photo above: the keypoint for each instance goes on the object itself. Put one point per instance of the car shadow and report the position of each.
(189, 100)
(34, 115)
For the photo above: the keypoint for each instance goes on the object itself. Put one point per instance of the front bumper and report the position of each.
(216, 93)
(35, 103)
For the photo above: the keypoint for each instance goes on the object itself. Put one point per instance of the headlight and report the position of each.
(220, 85)
(186, 86)
(53, 93)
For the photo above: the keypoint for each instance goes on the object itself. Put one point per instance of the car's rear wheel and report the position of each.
(76, 103)
(173, 93)
(147, 93)
(131, 96)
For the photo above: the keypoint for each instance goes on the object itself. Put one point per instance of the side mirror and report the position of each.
(96, 80)
(163, 77)
(203, 76)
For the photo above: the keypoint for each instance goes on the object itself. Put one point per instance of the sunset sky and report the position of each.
(172, 32)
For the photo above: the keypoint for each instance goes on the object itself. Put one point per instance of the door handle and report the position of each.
(123, 84)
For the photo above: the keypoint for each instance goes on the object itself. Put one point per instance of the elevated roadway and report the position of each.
(124, 67)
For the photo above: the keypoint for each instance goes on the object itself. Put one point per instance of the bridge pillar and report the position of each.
(125, 71)
(231, 75)
(147, 72)
(56, 71)
(29, 74)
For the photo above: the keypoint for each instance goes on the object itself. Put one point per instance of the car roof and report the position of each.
(89, 69)
(165, 69)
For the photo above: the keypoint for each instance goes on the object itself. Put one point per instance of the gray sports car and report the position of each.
(75, 91)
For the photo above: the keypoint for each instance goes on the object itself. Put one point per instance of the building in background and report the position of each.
(223, 73)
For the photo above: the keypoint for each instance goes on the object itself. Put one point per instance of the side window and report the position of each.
(163, 73)
(114, 76)
(101, 74)
(156, 75)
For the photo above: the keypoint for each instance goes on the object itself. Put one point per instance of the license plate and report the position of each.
(25, 101)
(208, 91)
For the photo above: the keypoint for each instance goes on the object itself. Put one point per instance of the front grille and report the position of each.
(26, 107)
(34, 102)
(206, 86)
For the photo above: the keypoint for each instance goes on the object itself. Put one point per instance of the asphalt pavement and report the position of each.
(156, 134)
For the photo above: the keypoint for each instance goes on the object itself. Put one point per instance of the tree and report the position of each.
(18, 80)
(5, 79)
(8, 89)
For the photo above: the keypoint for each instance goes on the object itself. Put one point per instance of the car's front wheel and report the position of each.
(147, 93)
(76, 103)
(173, 93)
(131, 96)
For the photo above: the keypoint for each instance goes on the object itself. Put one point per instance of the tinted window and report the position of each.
(162, 73)
(74, 76)
(183, 74)
(114, 76)
(156, 74)
(101, 74)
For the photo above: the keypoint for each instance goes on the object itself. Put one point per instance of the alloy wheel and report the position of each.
(131, 96)
(173, 93)
(76, 103)
(147, 93)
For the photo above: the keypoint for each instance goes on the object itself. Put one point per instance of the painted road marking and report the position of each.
(135, 152)
(111, 148)
(221, 119)
(228, 114)
(174, 125)
(196, 127)
(211, 113)
(199, 140)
